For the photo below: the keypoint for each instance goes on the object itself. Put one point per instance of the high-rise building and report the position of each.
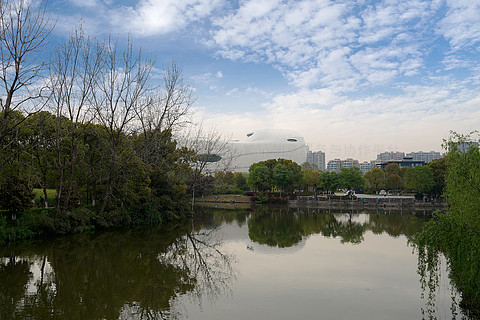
(390, 155)
(466, 145)
(424, 156)
(334, 165)
(366, 166)
(376, 163)
(349, 163)
(316, 158)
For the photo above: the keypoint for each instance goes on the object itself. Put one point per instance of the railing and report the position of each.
(381, 200)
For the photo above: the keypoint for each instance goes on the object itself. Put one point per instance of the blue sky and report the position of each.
(355, 78)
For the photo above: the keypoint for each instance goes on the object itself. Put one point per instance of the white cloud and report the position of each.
(84, 3)
(461, 24)
(154, 17)
(417, 119)
(341, 45)
(208, 79)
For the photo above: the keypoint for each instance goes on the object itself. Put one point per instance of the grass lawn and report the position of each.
(224, 198)
(51, 193)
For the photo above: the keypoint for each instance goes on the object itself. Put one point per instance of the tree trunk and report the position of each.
(45, 197)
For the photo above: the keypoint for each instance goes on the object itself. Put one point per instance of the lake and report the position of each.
(262, 263)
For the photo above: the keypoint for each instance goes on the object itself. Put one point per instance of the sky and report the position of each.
(355, 78)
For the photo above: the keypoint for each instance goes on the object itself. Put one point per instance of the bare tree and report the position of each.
(212, 154)
(170, 105)
(168, 111)
(72, 72)
(23, 32)
(121, 93)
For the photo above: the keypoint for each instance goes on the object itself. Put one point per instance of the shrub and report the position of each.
(15, 195)
(146, 213)
(79, 219)
(117, 217)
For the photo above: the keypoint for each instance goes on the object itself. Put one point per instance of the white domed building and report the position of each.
(263, 145)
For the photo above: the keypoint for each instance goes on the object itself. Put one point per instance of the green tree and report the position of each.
(403, 171)
(439, 170)
(311, 177)
(455, 233)
(282, 176)
(375, 179)
(463, 178)
(23, 33)
(16, 195)
(120, 94)
(259, 177)
(420, 179)
(308, 165)
(94, 161)
(73, 70)
(394, 182)
(330, 181)
(392, 168)
(351, 178)
(240, 181)
(294, 167)
(39, 131)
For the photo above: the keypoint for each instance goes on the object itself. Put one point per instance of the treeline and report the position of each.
(286, 175)
(426, 180)
(456, 233)
(91, 126)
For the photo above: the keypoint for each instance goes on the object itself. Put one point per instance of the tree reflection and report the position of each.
(200, 253)
(116, 275)
(14, 277)
(285, 227)
(275, 228)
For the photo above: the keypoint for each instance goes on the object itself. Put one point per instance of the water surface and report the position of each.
(270, 263)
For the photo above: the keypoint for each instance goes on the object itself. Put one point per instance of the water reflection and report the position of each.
(115, 275)
(286, 227)
(151, 273)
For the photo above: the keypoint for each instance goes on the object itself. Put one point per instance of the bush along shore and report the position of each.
(35, 223)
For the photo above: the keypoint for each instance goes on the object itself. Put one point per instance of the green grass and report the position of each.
(51, 193)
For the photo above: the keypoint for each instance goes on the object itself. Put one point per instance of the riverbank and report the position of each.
(40, 223)
(225, 201)
(366, 201)
(327, 202)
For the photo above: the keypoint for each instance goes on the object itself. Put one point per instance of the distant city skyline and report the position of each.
(410, 159)
(350, 152)
(353, 78)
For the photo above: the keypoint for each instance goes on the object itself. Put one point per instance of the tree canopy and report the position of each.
(282, 173)
(351, 178)
(420, 179)
(89, 121)
(375, 179)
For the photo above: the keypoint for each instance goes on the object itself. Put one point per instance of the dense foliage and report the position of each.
(91, 122)
(230, 182)
(426, 180)
(283, 174)
(146, 187)
(456, 233)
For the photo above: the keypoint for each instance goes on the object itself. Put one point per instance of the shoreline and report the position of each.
(361, 201)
